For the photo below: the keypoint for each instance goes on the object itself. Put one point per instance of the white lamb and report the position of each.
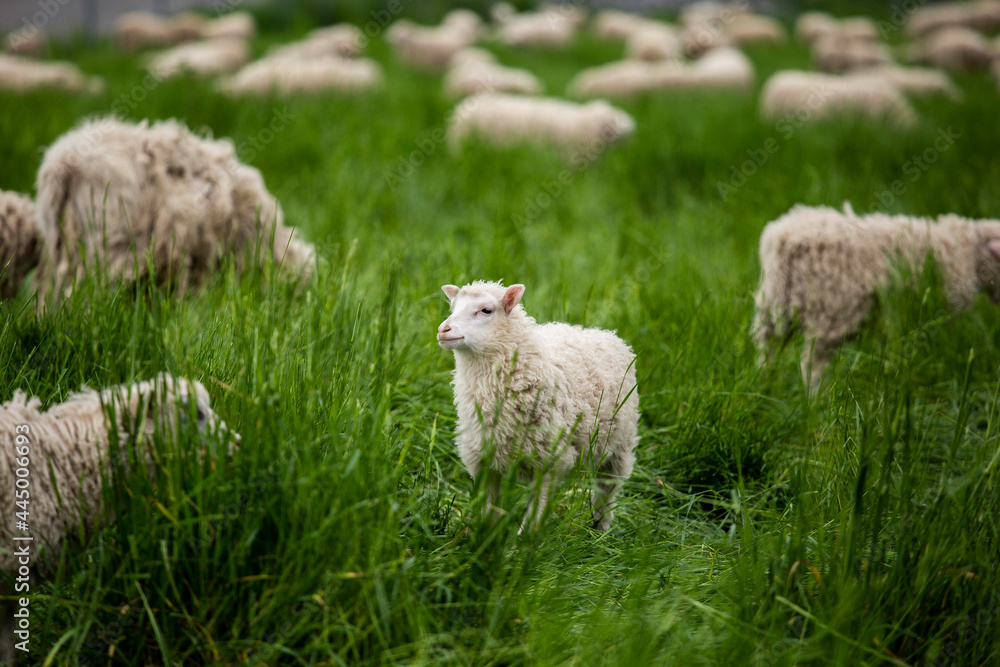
(20, 250)
(343, 40)
(135, 193)
(755, 29)
(21, 73)
(821, 267)
(503, 120)
(815, 96)
(810, 26)
(474, 71)
(290, 75)
(541, 397)
(66, 450)
(203, 58)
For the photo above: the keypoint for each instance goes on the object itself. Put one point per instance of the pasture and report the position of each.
(762, 526)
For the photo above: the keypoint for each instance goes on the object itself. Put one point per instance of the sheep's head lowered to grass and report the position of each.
(481, 314)
(168, 405)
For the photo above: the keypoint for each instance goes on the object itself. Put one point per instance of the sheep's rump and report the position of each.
(131, 194)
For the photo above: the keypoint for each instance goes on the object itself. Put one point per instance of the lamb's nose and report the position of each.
(444, 328)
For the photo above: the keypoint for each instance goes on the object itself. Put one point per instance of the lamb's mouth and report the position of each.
(445, 341)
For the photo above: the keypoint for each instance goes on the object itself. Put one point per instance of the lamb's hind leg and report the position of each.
(815, 356)
(611, 474)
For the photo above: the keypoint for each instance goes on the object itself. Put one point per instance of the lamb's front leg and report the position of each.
(537, 502)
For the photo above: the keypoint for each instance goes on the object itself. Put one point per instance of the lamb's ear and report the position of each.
(450, 291)
(994, 246)
(511, 297)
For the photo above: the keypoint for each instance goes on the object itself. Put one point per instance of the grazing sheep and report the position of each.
(20, 251)
(654, 41)
(722, 68)
(815, 96)
(20, 73)
(821, 267)
(26, 41)
(474, 71)
(955, 49)
(915, 80)
(836, 54)
(67, 451)
(237, 25)
(613, 24)
(205, 58)
(755, 29)
(136, 30)
(134, 195)
(810, 26)
(429, 48)
(503, 120)
(982, 16)
(539, 396)
(290, 74)
(550, 27)
(342, 40)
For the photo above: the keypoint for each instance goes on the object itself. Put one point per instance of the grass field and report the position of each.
(762, 526)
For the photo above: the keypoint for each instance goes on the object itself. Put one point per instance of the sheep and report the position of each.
(343, 40)
(613, 24)
(551, 393)
(20, 73)
(957, 49)
(237, 25)
(66, 450)
(915, 80)
(836, 53)
(290, 74)
(204, 58)
(810, 26)
(139, 194)
(722, 68)
(982, 16)
(821, 267)
(475, 71)
(755, 29)
(20, 250)
(136, 30)
(503, 119)
(816, 96)
(550, 27)
(654, 41)
(27, 41)
(428, 48)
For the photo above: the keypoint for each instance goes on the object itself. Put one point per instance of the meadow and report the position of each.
(762, 526)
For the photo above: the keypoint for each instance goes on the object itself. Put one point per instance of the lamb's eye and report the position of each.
(488, 311)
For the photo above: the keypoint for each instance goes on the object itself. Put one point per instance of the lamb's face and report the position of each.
(477, 315)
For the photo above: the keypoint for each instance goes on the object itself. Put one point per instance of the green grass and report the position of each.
(762, 526)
